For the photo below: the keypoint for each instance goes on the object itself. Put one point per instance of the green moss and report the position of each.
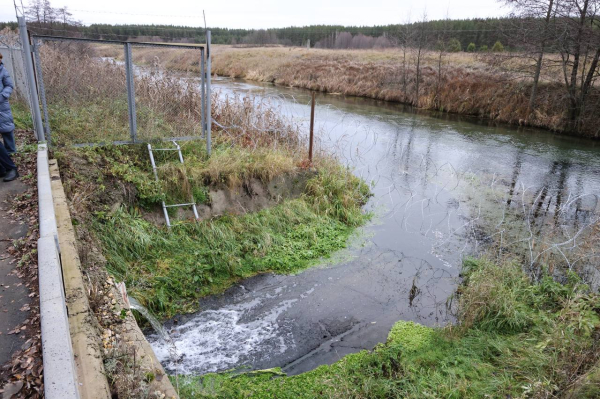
(410, 336)
(539, 359)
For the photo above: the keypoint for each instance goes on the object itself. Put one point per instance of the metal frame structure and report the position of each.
(205, 63)
(155, 171)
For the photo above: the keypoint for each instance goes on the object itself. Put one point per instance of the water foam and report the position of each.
(216, 340)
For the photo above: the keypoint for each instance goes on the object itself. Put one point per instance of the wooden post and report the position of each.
(312, 128)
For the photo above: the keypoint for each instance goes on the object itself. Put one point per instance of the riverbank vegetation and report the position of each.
(539, 67)
(493, 86)
(167, 270)
(264, 206)
(515, 338)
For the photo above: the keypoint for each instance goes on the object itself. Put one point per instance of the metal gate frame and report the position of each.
(205, 60)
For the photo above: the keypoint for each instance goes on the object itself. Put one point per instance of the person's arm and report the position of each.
(8, 86)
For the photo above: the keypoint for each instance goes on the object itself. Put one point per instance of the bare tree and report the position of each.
(405, 37)
(343, 40)
(64, 16)
(530, 13)
(578, 37)
(420, 42)
(48, 13)
(34, 11)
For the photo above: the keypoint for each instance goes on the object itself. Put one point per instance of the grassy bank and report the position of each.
(515, 339)
(167, 270)
(485, 86)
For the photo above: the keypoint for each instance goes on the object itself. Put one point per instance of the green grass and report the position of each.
(168, 270)
(532, 343)
(21, 115)
(228, 165)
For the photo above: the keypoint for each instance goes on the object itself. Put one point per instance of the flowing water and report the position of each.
(444, 188)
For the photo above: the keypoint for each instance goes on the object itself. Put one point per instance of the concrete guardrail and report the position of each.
(60, 381)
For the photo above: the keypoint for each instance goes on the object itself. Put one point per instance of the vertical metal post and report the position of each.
(130, 93)
(312, 128)
(208, 109)
(193, 199)
(42, 89)
(30, 78)
(202, 94)
(164, 206)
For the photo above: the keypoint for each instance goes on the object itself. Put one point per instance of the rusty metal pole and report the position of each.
(312, 128)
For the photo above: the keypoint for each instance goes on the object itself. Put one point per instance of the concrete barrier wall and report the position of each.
(60, 380)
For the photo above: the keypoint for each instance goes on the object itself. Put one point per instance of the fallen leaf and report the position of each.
(12, 388)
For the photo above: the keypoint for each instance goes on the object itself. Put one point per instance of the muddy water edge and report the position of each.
(444, 188)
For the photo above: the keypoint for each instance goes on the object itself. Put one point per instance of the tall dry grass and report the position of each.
(483, 85)
(467, 84)
(87, 100)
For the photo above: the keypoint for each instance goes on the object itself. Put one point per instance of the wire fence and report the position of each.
(95, 91)
(14, 62)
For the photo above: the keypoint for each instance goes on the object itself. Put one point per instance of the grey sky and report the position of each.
(269, 13)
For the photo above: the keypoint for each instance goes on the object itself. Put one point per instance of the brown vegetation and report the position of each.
(489, 86)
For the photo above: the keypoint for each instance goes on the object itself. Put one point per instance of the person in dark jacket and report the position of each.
(7, 125)
(8, 169)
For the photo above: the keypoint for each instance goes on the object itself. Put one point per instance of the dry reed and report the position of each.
(487, 86)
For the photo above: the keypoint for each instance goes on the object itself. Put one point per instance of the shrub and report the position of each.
(498, 47)
(471, 48)
(454, 46)
(483, 48)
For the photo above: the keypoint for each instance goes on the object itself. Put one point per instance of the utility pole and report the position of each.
(208, 114)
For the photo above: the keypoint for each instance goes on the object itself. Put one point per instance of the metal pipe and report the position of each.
(42, 90)
(35, 102)
(164, 206)
(138, 44)
(208, 109)
(130, 93)
(178, 148)
(202, 94)
(179, 205)
(312, 127)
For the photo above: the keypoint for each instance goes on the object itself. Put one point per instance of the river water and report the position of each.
(444, 187)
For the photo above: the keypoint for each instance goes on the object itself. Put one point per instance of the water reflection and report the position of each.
(443, 186)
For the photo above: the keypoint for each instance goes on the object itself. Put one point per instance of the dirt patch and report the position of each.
(89, 187)
(252, 196)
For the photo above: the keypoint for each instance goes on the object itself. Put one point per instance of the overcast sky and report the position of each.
(269, 13)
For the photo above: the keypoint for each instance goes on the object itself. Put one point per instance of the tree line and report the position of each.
(43, 18)
(561, 36)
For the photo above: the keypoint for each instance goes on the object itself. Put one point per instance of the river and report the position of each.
(444, 188)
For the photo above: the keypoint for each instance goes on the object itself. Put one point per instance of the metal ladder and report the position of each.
(154, 169)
